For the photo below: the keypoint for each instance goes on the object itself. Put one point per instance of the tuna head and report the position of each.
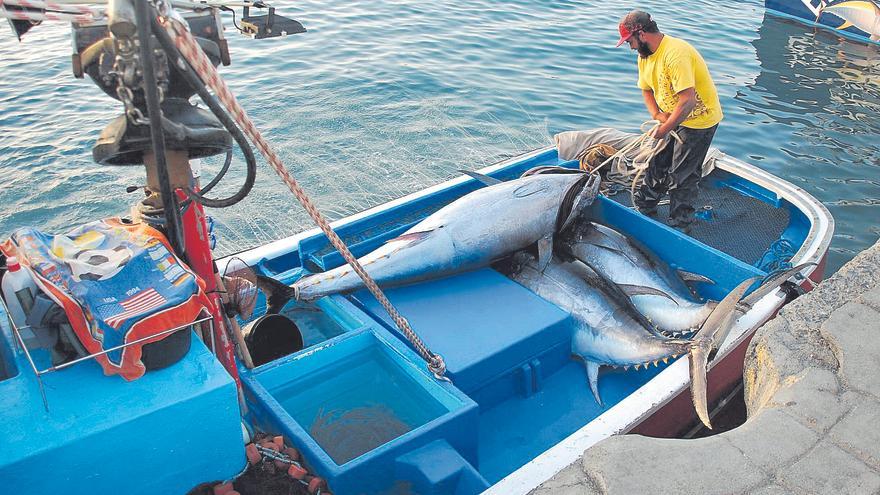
(468, 233)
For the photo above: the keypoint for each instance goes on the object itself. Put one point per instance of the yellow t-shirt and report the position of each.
(673, 68)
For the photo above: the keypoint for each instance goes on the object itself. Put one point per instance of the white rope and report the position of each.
(648, 148)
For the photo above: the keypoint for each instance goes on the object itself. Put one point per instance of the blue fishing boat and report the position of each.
(459, 382)
(858, 20)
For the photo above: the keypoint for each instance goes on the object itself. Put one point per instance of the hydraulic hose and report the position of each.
(142, 11)
(186, 70)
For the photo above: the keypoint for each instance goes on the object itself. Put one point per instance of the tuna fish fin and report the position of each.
(716, 327)
(412, 237)
(845, 25)
(611, 246)
(277, 293)
(711, 335)
(613, 249)
(641, 290)
(617, 294)
(698, 359)
(485, 179)
(694, 277)
(772, 284)
(593, 377)
(545, 252)
(550, 169)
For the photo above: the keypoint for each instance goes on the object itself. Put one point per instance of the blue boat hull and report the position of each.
(806, 11)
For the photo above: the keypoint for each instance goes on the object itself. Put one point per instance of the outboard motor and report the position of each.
(134, 57)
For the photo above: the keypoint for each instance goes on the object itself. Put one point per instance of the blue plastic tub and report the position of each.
(359, 405)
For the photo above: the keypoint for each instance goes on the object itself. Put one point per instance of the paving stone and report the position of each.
(858, 432)
(854, 329)
(871, 298)
(814, 399)
(779, 356)
(770, 490)
(569, 481)
(829, 470)
(772, 439)
(636, 464)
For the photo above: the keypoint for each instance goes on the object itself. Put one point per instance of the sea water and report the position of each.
(380, 99)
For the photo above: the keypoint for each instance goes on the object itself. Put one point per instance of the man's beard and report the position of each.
(643, 49)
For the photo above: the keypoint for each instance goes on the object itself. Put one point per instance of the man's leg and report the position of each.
(685, 174)
(656, 182)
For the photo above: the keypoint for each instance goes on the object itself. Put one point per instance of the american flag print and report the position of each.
(138, 304)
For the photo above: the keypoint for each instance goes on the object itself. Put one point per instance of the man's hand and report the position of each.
(661, 116)
(687, 100)
(661, 131)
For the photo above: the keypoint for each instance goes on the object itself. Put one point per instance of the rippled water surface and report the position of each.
(380, 99)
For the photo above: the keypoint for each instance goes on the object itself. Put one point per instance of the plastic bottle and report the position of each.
(19, 291)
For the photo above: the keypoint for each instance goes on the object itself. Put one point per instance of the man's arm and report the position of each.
(687, 100)
(653, 107)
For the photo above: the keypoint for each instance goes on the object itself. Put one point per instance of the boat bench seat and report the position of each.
(483, 324)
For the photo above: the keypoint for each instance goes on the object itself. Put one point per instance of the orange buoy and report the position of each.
(316, 484)
(297, 472)
(223, 489)
(253, 455)
(292, 453)
(279, 441)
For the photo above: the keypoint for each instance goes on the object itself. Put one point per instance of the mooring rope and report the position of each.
(194, 55)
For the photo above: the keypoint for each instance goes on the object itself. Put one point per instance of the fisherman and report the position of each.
(680, 94)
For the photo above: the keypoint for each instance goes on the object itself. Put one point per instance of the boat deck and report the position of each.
(742, 226)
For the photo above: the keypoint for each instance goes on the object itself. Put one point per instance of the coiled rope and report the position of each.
(647, 147)
(190, 49)
(777, 258)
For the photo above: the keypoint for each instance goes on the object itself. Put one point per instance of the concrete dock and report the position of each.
(812, 392)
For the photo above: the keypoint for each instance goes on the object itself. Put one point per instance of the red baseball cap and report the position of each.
(631, 24)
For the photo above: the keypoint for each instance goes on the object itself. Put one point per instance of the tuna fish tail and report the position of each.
(277, 293)
(709, 337)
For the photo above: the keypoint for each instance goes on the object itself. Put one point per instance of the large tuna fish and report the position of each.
(468, 233)
(607, 328)
(672, 308)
